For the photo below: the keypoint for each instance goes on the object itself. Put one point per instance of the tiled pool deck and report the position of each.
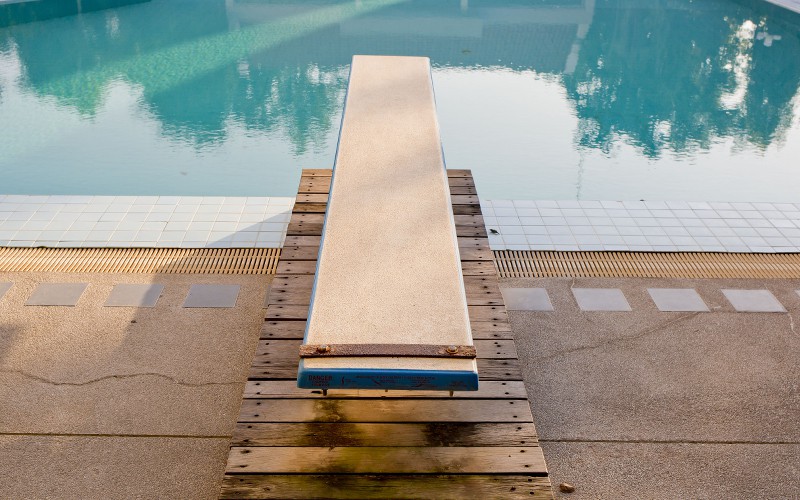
(143, 221)
(200, 222)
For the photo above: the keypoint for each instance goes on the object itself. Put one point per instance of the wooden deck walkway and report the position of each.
(295, 443)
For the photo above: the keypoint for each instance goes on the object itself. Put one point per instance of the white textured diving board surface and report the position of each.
(793, 5)
(389, 269)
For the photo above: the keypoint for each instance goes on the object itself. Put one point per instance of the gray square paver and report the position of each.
(4, 287)
(677, 299)
(128, 295)
(526, 299)
(753, 301)
(56, 294)
(601, 299)
(212, 296)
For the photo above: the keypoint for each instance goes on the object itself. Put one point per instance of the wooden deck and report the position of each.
(295, 443)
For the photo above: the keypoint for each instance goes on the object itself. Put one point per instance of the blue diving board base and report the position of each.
(427, 380)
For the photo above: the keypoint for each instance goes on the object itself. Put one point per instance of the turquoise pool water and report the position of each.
(564, 99)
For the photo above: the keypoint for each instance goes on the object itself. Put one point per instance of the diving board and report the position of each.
(388, 307)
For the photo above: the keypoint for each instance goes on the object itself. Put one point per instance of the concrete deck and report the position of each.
(651, 404)
(640, 404)
(121, 402)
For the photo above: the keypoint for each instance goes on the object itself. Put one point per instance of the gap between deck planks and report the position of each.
(295, 443)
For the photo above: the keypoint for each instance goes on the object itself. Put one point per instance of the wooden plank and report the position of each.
(304, 229)
(299, 241)
(471, 232)
(293, 283)
(269, 351)
(380, 487)
(305, 253)
(384, 410)
(307, 218)
(488, 289)
(490, 327)
(488, 313)
(481, 292)
(293, 297)
(464, 199)
(499, 369)
(483, 300)
(471, 268)
(469, 221)
(494, 332)
(305, 224)
(456, 172)
(319, 185)
(456, 190)
(280, 389)
(486, 283)
(492, 335)
(496, 349)
(283, 329)
(317, 172)
(466, 210)
(286, 312)
(377, 459)
(419, 434)
(460, 182)
(311, 198)
(311, 208)
(476, 254)
(297, 267)
(299, 295)
(473, 243)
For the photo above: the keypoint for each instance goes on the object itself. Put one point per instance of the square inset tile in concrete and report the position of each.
(56, 294)
(526, 299)
(601, 299)
(677, 299)
(753, 301)
(127, 295)
(212, 296)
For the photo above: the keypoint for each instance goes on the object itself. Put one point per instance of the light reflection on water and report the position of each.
(618, 99)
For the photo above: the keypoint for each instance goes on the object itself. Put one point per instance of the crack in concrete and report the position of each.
(116, 377)
(636, 336)
(101, 435)
(665, 441)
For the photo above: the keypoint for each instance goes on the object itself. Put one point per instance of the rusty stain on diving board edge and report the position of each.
(384, 350)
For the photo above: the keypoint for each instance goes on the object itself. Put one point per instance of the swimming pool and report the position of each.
(564, 99)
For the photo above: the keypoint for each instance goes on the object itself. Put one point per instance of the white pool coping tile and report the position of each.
(652, 226)
(566, 225)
